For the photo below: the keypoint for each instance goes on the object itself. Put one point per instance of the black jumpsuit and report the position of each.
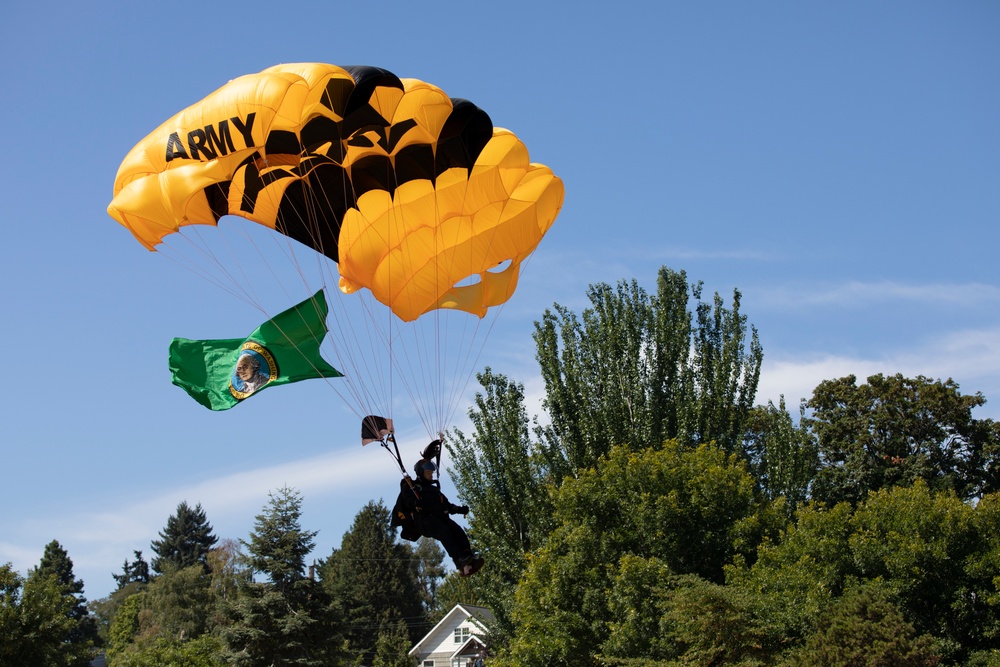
(429, 516)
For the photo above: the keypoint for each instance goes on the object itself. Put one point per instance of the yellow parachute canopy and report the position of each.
(416, 196)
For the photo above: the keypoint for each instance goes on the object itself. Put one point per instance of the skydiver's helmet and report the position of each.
(422, 465)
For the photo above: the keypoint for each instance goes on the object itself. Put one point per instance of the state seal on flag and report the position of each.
(254, 368)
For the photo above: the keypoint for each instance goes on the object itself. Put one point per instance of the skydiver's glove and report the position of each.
(433, 450)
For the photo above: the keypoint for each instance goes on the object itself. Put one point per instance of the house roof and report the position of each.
(460, 613)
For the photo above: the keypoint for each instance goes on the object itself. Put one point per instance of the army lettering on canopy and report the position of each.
(211, 141)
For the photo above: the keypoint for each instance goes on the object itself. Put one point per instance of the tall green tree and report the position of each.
(392, 647)
(57, 563)
(185, 541)
(636, 369)
(36, 621)
(782, 456)
(892, 431)
(287, 618)
(204, 651)
(498, 475)
(180, 604)
(430, 572)
(133, 579)
(374, 581)
(124, 627)
(168, 620)
(456, 589)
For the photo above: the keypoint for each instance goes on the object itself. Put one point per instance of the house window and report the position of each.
(461, 635)
(428, 663)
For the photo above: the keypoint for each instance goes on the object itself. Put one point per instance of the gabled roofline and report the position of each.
(468, 611)
(471, 640)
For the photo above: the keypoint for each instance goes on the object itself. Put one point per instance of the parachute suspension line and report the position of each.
(285, 247)
(362, 376)
(211, 268)
(356, 352)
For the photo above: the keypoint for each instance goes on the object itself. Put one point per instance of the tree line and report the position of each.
(655, 517)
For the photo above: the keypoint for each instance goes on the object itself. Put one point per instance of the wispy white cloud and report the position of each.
(970, 357)
(862, 294)
(98, 536)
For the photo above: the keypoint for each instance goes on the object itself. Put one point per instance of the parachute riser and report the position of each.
(394, 453)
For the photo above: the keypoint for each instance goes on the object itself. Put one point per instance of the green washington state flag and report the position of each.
(221, 373)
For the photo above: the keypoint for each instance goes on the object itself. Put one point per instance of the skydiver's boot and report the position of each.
(471, 565)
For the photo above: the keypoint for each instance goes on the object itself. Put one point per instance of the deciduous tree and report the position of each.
(932, 554)
(688, 509)
(892, 431)
(133, 579)
(36, 621)
(499, 475)
(636, 369)
(783, 456)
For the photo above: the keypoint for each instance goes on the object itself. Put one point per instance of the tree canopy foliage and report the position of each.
(286, 619)
(38, 623)
(638, 369)
(374, 582)
(892, 431)
(680, 511)
(499, 472)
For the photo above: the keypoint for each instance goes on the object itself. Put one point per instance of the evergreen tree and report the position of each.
(374, 581)
(135, 572)
(865, 628)
(431, 571)
(185, 541)
(57, 563)
(286, 619)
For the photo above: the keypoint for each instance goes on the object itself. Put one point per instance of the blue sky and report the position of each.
(838, 163)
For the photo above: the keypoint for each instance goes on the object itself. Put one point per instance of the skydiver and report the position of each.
(423, 510)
